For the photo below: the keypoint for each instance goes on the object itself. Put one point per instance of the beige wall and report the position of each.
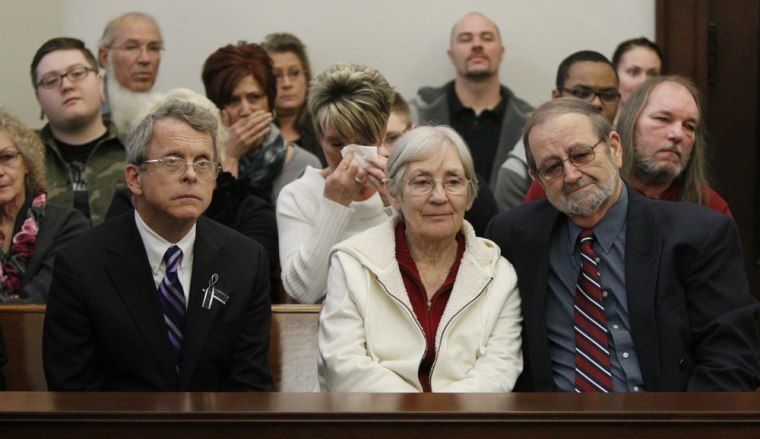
(406, 40)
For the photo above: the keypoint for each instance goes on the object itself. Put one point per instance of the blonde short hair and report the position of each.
(354, 100)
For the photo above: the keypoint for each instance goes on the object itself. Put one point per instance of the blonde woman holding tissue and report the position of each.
(350, 105)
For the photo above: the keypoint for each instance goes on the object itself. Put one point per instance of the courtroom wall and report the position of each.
(406, 40)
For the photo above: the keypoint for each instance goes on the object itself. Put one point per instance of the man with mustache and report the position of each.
(620, 292)
(485, 113)
(664, 144)
(84, 159)
(162, 298)
(586, 75)
(130, 53)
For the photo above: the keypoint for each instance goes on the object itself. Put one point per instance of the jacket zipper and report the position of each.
(443, 331)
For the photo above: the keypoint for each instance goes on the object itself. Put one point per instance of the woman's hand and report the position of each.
(344, 183)
(376, 175)
(246, 134)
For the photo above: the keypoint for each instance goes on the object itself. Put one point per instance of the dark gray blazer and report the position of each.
(692, 315)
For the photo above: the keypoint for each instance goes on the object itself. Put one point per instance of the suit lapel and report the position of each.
(130, 272)
(533, 238)
(642, 261)
(199, 320)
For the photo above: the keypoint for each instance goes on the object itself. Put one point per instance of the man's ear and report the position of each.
(131, 175)
(616, 148)
(103, 57)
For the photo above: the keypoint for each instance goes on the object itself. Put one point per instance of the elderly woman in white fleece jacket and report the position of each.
(419, 303)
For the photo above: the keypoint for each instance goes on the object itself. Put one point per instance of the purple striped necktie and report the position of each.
(173, 302)
(592, 356)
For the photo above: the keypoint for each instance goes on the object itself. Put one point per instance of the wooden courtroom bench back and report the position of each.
(292, 351)
(22, 330)
(293, 347)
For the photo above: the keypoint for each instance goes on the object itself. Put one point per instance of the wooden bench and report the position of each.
(292, 351)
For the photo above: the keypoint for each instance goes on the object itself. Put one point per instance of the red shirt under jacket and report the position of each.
(428, 313)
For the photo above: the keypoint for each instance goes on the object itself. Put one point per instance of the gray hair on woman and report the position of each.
(422, 143)
(138, 142)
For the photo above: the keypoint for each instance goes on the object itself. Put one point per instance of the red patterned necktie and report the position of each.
(592, 356)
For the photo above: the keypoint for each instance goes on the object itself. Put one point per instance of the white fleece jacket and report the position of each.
(369, 337)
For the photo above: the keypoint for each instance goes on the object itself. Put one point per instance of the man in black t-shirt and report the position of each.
(84, 161)
(485, 113)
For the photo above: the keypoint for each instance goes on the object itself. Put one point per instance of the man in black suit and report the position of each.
(663, 303)
(162, 298)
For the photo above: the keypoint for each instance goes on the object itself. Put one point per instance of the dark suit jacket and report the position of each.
(58, 227)
(104, 326)
(691, 312)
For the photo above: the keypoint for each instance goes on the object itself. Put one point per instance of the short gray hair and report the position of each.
(560, 106)
(111, 29)
(198, 117)
(422, 143)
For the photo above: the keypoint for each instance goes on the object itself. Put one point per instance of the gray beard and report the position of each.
(651, 172)
(125, 104)
(587, 204)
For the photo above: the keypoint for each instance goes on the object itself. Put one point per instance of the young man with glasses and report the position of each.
(586, 75)
(84, 159)
(619, 292)
(130, 53)
(162, 298)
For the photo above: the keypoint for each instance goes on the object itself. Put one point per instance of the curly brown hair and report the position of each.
(29, 145)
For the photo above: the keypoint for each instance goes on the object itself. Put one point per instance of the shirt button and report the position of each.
(625, 354)
(604, 293)
(615, 327)
(635, 388)
(597, 259)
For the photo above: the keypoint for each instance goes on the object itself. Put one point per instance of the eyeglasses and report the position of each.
(175, 166)
(134, 49)
(77, 74)
(425, 185)
(588, 94)
(8, 159)
(578, 157)
(292, 74)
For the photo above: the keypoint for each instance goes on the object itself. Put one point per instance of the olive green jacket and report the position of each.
(104, 172)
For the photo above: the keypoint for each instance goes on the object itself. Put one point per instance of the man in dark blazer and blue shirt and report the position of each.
(677, 314)
(161, 298)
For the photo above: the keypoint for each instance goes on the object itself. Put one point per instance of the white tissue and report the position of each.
(361, 152)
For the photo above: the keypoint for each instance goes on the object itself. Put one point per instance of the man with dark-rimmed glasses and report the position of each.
(586, 75)
(84, 160)
(619, 292)
(162, 298)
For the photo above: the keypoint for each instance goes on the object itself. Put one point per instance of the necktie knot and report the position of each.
(172, 258)
(586, 236)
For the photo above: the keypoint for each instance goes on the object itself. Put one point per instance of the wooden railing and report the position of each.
(386, 416)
